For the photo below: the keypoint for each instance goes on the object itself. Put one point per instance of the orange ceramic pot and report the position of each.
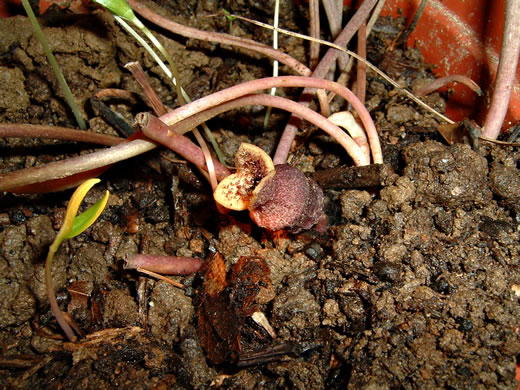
(461, 37)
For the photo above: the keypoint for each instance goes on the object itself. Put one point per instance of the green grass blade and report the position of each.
(55, 67)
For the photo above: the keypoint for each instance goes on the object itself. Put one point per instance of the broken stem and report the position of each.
(156, 129)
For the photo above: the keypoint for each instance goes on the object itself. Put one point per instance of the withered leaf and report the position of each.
(227, 302)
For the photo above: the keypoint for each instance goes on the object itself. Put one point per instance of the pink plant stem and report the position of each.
(352, 148)
(160, 109)
(166, 265)
(442, 81)
(239, 90)
(221, 38)
(506, 71)
(321, 70)
(334, 12)
(68, 167)
(55, 132)
(157, 130)
(58, 314)
(137, 71)
(314, 50)
(71, 166)
(361, 77)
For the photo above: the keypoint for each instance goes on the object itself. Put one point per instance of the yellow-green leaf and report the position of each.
(88, 217)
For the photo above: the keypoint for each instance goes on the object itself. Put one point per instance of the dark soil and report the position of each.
(414, 284)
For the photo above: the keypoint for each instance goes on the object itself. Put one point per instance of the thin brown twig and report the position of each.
(403, 35)
(160, 277)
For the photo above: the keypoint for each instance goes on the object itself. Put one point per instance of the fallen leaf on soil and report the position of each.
(227, 302)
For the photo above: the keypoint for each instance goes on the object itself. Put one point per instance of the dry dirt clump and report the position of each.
(413, 284)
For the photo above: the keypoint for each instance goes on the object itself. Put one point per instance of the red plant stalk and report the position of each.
(506, 71)
(153, 99)
(282, 151)
(314, 49)
(72, 166)
(98, 159)
(236, 91)
(160, 109)
(55, 132)
(157, 130)
(162, 133)
(221, 38)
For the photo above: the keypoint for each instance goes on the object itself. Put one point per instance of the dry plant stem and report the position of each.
(372, 67)
(442, 81)
(283, 81)
(403, 36)
(55, 132)
(361, 77)
(314, 51)
(343, 77)
(282, 151)
(353, 149)
(71, 166)
(160, 277)
(137, 71)
(114, 93)
(225, 39)
(157, 130)
(334, 12)
(506, 71)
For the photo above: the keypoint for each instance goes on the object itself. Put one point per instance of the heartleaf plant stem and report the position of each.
(506, 71)
(72, 226)
(182, 121)
(121, 12)
(54, 65)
